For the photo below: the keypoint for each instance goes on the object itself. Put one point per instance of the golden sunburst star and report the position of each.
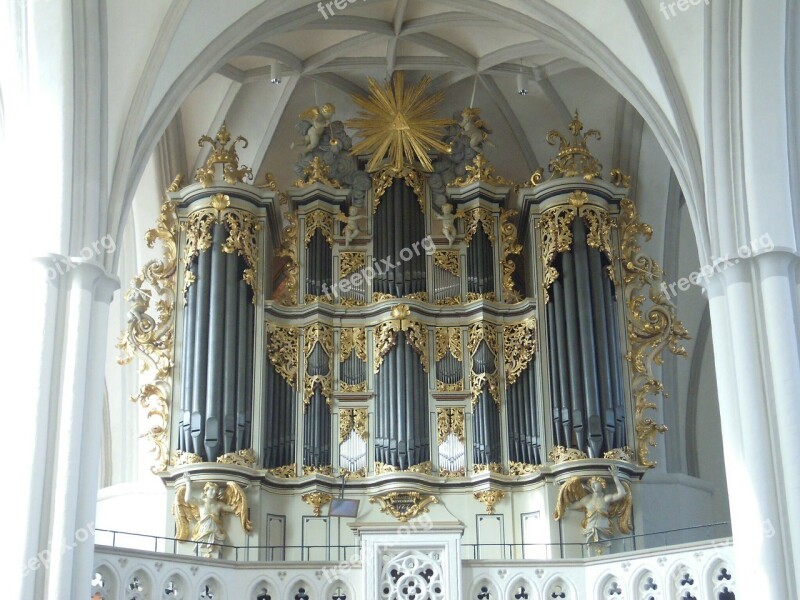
(398, 121)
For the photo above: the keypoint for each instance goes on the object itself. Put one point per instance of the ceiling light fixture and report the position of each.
(276, 74)
(522, 90)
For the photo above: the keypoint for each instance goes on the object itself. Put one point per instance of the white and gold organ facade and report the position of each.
(403, 327)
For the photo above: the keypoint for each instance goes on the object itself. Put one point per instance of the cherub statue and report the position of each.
(318, 118)
(474, 128)
(208, 512)
(351, 229)
(448, 219)
(603, 513)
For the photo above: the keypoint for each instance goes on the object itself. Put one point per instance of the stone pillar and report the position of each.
(753, 307)
(68, 431)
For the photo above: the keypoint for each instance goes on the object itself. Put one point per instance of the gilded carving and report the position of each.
(448, 339)
(242, 239)
(151, 339)
(386, 336)
(283, 350)
(561, 454)
(620, 179)
(241, 458)
(484, 332)
(573, 158)
(448, 260)
(519, 468)
(625, 453)
(426, 468)
(323, 470)
(322, 335)
(652, 327)
(351, 262)
(449, 301)
(490, 468)
(284, 472)
(481, 170)
(180, 458)
(509, 246)
(353, 419)
(316, 172)
(319, 219)
(382, 180)
(475, 217)
(519, 344)
(489, 498)
(317, 500)
(288, 250)
(225, 154)
(556, 227)
(353, 340)
(598, 234)
(398, 120)
(449, 420)
(403, 505)
(475, 296)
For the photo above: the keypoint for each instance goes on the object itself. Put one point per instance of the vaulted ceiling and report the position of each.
(476, 60)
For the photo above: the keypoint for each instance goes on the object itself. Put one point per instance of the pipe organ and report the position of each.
(499, 337)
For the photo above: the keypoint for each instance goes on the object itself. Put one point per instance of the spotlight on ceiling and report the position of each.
(522, 88)
(276, 74)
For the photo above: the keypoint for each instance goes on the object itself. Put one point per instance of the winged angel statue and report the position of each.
(208, 513)
(603, 513)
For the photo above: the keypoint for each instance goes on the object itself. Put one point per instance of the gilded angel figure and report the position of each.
(207, 513)
(604, 514)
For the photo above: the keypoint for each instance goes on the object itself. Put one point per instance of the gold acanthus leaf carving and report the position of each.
(510, 246)
(317, 500)
(152, 339)
(284, 472)
(351, 340)
(353, 419)
(321, 334)
(288, 250)
(448, 339)
(652, 327)
(448, 260)
(491, 468)
(519, 468)
(242, 239)
(242, 458)
(319, 219)
(481, 170)
(489, 498)
(283, 350)
(573, 158)
(556, 230)
(350, 262)
(481, 331)
(242, 228)
(519, 345)
(449, 420)
(386, 336)
(561, 454)
(321, 470)
(317, 172)
(403, 505)
(475, 296)
(383, 180)
(223, 152)
(475, 217)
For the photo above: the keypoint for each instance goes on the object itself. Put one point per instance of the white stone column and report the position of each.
(756, 348)
(69, 429)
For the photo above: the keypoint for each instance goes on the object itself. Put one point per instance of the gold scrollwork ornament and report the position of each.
(403, 505)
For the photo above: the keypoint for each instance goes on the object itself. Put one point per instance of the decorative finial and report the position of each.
(574, 158)
(317, 171)
(224, 154)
